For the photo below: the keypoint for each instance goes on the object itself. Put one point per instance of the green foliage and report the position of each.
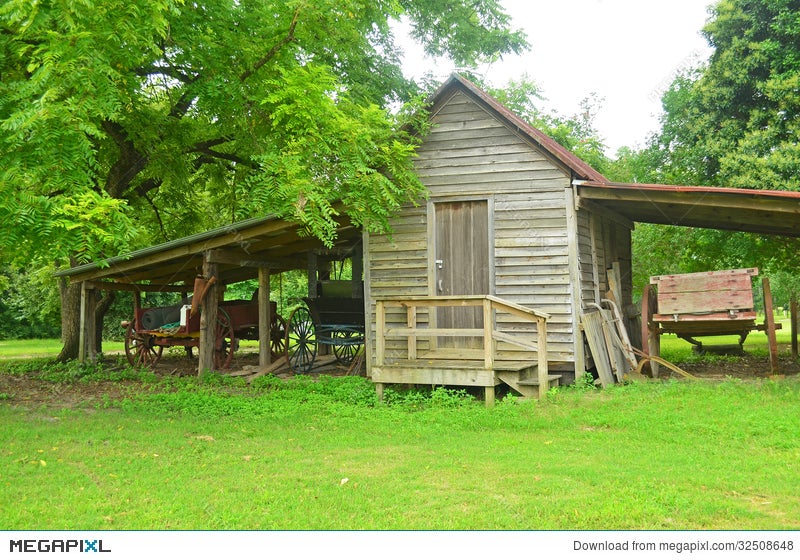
(732, 122)
(126, 123)
(29, 303)
(424, 397)
(86, 372)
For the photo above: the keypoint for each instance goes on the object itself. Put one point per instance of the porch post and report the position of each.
(82, 329)
(264, 318)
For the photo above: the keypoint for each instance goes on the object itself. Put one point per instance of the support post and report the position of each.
(357, 261)
(208, 319)
(770, 323)
(87, 336)
(541, 356)
(488, 338)
(793, 326)
(488, 396)
(264, 318)
(311, 270)
(411, 322)
(82, 329)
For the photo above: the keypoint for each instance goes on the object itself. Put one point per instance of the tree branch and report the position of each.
(158, 215)
(127, 166)
(275, 49)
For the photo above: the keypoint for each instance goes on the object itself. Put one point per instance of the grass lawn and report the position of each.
(209, 454)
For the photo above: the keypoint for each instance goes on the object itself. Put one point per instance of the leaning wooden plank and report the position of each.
(269, 368)
(592, 323)
(616, 357)
(624, 339)
(246, 370)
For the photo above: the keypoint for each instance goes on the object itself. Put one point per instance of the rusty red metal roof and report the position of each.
(752, 210)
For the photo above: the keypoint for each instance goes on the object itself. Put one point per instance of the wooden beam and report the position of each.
(793, 324)
(240, 258)
(82, 328)
(312, 274)
(147, 288)
(576, 299)
(233, 237)
(770, 324)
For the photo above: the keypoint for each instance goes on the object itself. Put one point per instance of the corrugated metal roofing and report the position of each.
(751, 210)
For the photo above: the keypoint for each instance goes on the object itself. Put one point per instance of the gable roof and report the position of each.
(579, 168)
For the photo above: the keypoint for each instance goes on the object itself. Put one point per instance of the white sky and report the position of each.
(625, 51)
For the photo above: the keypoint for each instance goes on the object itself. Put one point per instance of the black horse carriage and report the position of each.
(333, 320)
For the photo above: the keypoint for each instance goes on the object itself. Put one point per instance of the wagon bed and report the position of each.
(156, 328)
(705, 304)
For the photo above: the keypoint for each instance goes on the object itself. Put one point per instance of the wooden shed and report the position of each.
(490, 280)
(484, 282)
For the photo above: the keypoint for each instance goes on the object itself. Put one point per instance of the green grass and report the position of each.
(43, 348)
(209, 454)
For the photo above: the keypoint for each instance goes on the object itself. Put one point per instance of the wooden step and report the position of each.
(526, 383)
(554, 381)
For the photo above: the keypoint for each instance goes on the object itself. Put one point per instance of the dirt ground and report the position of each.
(31, 391)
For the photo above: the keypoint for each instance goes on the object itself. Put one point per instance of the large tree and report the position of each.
(733, 122)
(121, 118)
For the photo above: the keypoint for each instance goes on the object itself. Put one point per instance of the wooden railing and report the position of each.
(489, 333)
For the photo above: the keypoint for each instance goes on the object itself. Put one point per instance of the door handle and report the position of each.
(441, 286)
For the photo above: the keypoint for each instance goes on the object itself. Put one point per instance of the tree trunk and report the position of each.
(70, 319)
(100, 311)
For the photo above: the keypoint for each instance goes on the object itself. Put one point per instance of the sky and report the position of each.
(624, 51)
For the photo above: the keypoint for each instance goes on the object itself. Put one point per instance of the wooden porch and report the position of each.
(427, 358)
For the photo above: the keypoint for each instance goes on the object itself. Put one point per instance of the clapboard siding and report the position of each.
(471, 154)
(468, 152)
(396, 265)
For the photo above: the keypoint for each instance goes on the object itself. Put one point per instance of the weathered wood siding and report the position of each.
(471, 155)
(602, 242)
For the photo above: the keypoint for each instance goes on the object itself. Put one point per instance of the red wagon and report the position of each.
(156, 328)
(702, 304)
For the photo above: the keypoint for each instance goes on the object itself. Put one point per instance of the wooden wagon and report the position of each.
(705, 304)
(156, 328)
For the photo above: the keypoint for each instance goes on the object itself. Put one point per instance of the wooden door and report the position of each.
(461, 264)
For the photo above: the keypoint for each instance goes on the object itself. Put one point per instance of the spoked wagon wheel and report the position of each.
(301, 341)
(348, 349)
(224, 340)
(277, 336)
(139, 348)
